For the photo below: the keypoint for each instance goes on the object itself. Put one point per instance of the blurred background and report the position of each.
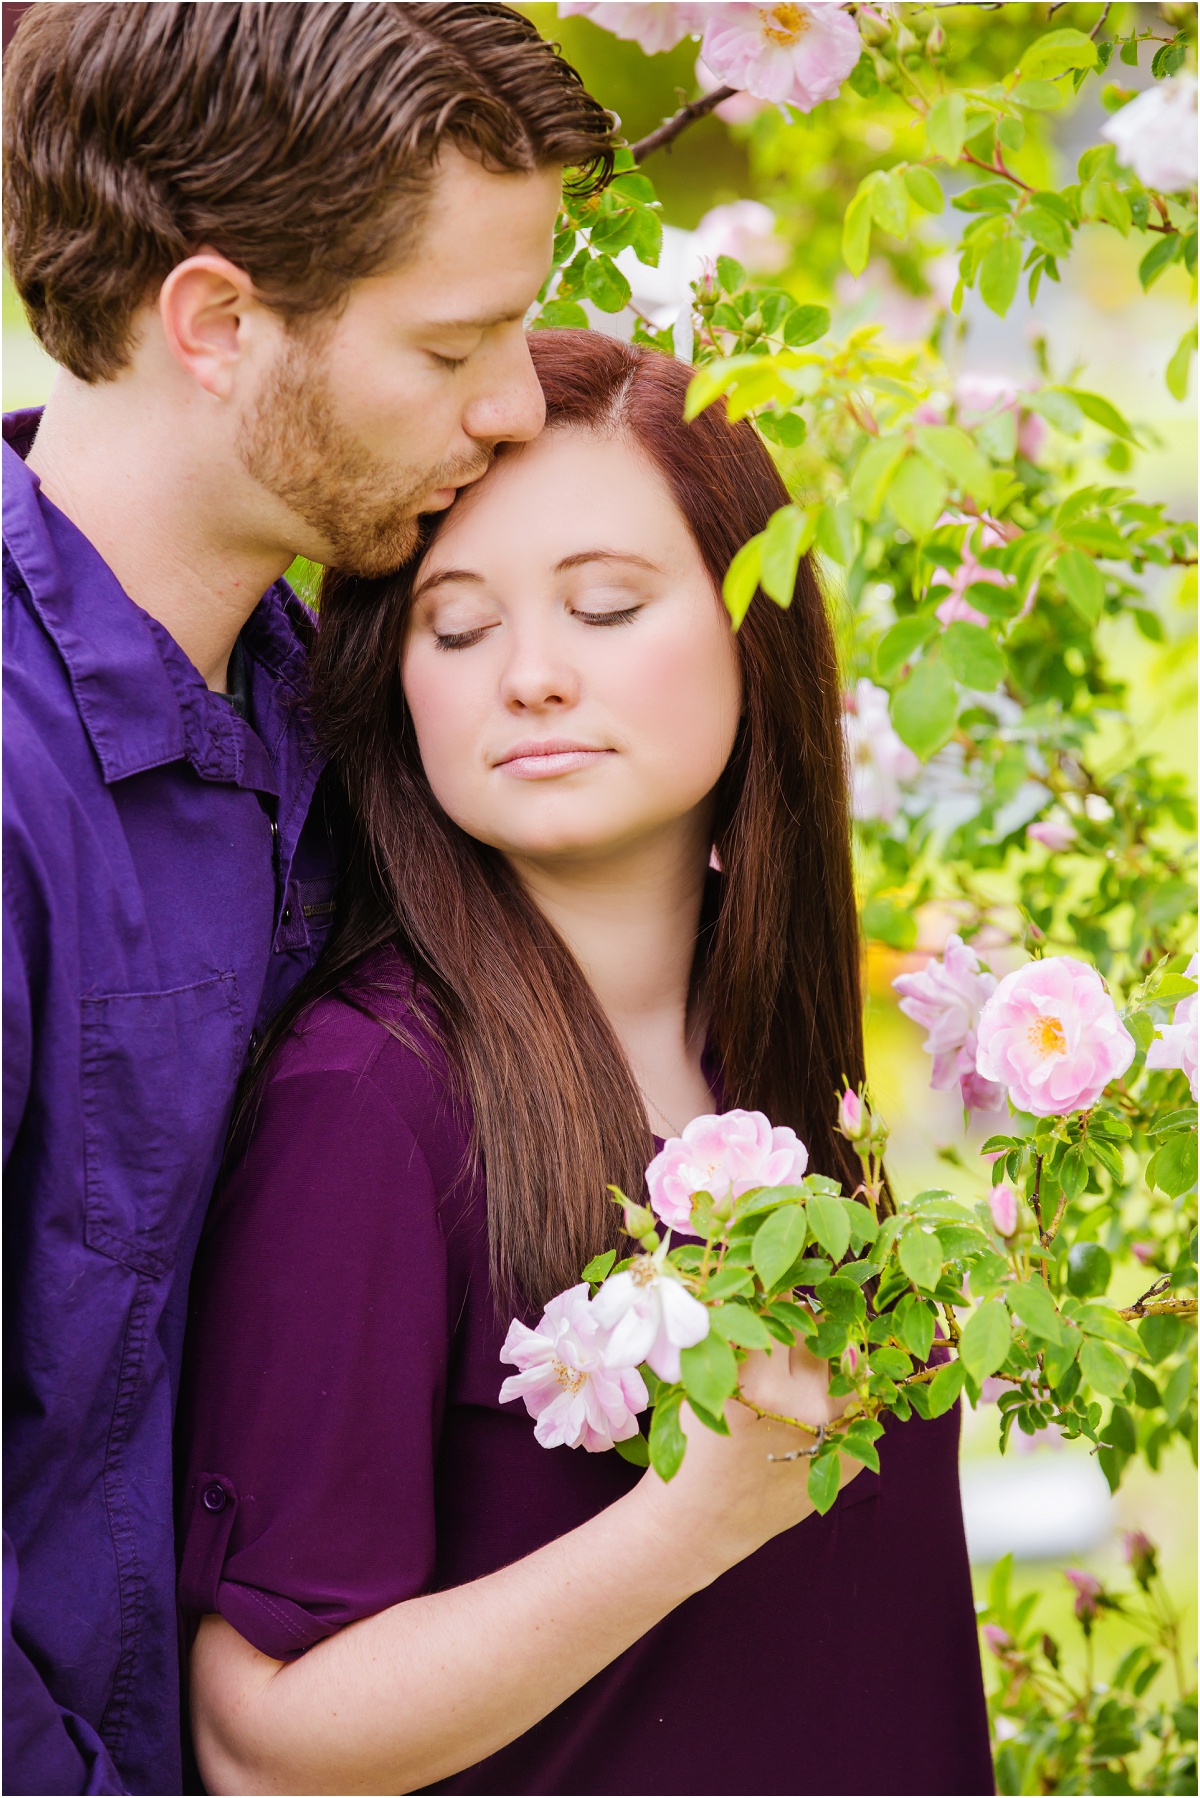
(1046, 1501)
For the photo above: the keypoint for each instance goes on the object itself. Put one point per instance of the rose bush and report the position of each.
(989, 554)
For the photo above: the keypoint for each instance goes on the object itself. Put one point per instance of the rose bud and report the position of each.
(1142, 1556)
(639, 1220)
(1088, 1593)
(854, 1120)
(997, 1639)
(851, 1360)
(1002, 1203)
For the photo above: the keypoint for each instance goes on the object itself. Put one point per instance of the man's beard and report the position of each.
(364, 508)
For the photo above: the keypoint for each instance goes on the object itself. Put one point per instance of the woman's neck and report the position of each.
(631, 921)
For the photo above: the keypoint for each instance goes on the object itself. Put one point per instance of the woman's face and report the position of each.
(570, 671)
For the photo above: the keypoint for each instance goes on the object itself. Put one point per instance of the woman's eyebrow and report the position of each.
(444, 578)
(605, 555)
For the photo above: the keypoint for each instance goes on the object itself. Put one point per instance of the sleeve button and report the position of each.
(214, 1498)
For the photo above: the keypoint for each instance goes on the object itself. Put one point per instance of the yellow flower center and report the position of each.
(784, 24)
(1046, 1037)
(643, 1271)
(568, 1377)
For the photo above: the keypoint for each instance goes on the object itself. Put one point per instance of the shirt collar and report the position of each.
(142, 702)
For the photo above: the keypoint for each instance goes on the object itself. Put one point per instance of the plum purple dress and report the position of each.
(346, 1450)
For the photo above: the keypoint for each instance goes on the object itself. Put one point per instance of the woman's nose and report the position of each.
(536, 679)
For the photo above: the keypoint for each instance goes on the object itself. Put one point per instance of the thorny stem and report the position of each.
(1035, 1199)
(667, 132)
(796, 1423)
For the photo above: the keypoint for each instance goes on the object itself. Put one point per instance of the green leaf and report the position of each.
(945, 1387)
(1109, 1325)
(917, 1329)
(946, 127)
(836, 531)
(1158, 259)
(1057, 52)
(885, 920)
(923, 709)
(1058, 408)
(1082, 583)
(668, 1444)
(916, 495)
(598, 1268)
(921, 1258)
(1089, 1268)
(1039, 96)
(779, 1241)
(635, 1449)
(1173, 1167)
(804, 324)
(730, 274)
(709, 1371)
(1180, 1388)
(647, 237)
(561, 315)
(890, 203)
(902, 642)
(787, 536)
(1047, 230)
(741, 579)
(875, 467)
(1103, 1369)
(985, 1339)
(737, 1323)
(856, 231)
(710, 382)
(1161, 1334)
(973, 655)
(954, 453)
(824, 1477)
(605, 285)
(1103, 412)
(1180, 363)
(862, 1450)
(828, 1223)
(925, 189)
(1031, 1302)
(1073, 1178)
(999, 273)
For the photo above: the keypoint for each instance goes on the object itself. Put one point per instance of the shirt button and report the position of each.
(214, 1498)
(287, 914)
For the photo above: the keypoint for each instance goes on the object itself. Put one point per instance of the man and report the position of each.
(282, 254)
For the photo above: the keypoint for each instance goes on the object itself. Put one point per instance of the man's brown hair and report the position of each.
(296, 139)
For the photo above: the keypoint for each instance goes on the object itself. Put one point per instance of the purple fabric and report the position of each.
(161, 895)
(346, 1450)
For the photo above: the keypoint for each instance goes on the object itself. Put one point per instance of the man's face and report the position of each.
(366, 421)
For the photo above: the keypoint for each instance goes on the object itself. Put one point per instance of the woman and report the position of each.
(546, 727)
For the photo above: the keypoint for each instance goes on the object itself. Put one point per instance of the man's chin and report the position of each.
(383, 554)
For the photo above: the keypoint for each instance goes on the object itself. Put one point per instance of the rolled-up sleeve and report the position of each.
(316, 1371)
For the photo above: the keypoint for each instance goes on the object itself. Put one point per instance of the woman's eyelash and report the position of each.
(602, 618)
(449, 361)
(460, 639)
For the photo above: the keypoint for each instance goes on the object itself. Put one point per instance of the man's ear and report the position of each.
(204, 305)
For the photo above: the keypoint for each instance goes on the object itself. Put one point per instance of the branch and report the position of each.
(1098, 27)
(687, 115)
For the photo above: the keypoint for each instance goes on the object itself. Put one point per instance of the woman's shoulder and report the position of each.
(365, 1068)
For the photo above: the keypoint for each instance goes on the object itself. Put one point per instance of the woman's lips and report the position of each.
(542, 761)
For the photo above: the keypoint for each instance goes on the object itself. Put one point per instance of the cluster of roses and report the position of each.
(1048, 1036)
(579, 1368)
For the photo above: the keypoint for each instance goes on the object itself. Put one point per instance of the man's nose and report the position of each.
(511, 408)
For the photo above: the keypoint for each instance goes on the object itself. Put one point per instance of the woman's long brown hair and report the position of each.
(557, 1114)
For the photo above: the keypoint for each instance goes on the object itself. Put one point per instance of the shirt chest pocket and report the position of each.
(159, 1071)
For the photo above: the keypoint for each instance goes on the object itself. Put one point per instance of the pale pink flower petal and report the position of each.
(1002, 1202)
(577, 1400)
(946, 999)
(649, 1316)
(1055, 834)
(653, 27)
(879, 761)
(739, 109)
(1155, 134)
(1175, 1046)
(729, 1154)
(743, 229)
(794, 55)
(1050, 1033)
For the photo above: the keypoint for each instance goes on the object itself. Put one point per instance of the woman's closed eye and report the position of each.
(461, 639)
(625, 615)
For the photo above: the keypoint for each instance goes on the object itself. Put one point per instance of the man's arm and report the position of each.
(46, 1748)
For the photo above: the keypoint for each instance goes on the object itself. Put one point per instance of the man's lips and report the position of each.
(541, 758)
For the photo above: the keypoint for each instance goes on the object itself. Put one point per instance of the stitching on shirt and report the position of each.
(130, 1579)
(280, 1616)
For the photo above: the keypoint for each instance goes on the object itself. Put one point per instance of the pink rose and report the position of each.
(653, 27)
(1002, 1202)
(1175, 1045)
(739, 109)
(793, 55)
(1054, 834)
(997, 1639)
(946, 1000)
(743, 229)
(649, 1316)
(1050, 1034)
(1155, 134)
(578, 1400)
(854, 1120)
(1088, 1592)
(970, 571)
(723, 1156)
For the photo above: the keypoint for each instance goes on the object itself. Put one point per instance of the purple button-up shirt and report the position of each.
(162, 893)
